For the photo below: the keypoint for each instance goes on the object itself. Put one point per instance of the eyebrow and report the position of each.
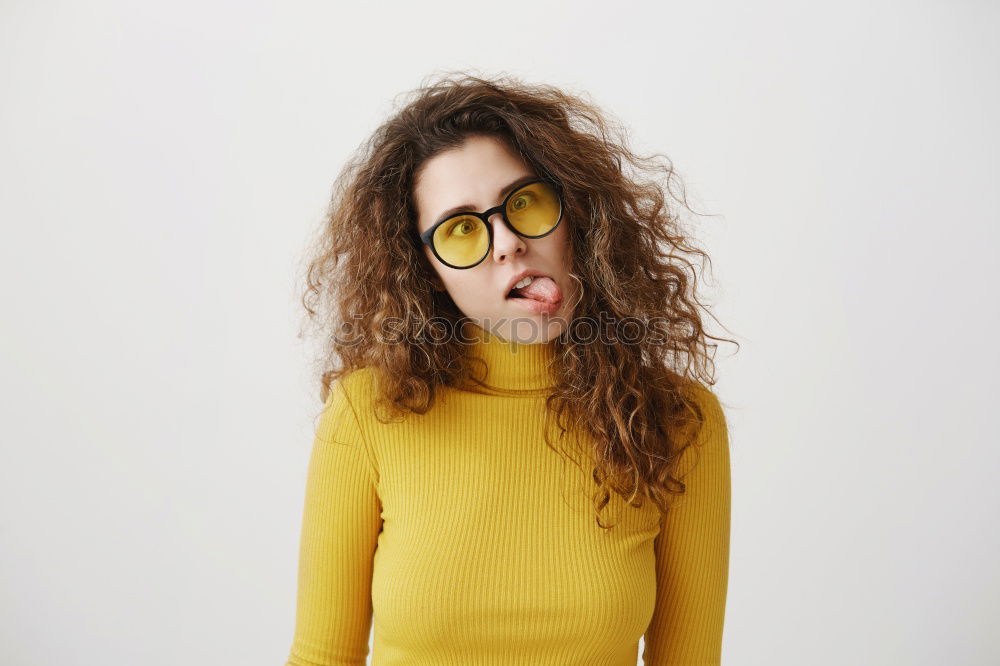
(469, 207)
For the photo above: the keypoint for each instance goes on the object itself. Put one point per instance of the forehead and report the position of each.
(471, 173)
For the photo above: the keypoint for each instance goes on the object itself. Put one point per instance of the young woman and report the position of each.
(519, 460)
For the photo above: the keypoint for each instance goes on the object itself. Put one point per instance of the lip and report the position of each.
(536, 307)
(523, 274)
(529, 304)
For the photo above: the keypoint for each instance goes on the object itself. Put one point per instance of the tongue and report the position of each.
(541, 289)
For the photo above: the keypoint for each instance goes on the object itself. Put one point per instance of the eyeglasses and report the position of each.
(464, 240)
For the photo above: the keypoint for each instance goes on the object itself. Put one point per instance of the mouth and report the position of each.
(535, 292)
(520, 278)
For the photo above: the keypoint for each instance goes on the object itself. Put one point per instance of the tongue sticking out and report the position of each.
(541, 289)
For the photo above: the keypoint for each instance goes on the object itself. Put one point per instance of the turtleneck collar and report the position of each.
(511, 367)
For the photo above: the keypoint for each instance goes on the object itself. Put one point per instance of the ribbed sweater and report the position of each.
(469, 541)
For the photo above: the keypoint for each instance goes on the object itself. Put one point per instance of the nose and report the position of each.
(505, 242)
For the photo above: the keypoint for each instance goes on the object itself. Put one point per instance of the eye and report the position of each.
(462, 227)
(522, 200)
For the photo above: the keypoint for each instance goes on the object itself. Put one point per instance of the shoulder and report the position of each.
(352, 389)
(704, 464)
(346, 400)
(359, 384)
(708, 403)
(706, 423)
(344, 416)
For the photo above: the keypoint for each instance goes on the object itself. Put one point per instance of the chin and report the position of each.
(530, 329)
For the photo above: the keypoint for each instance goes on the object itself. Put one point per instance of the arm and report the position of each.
(692, 554)
(340, 525)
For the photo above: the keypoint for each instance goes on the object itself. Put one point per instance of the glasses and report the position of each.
(464, 239)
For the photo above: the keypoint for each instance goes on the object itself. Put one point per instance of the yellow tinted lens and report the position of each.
(461, 240)
(534, 209)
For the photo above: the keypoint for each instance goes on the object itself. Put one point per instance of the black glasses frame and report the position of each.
(427, 237)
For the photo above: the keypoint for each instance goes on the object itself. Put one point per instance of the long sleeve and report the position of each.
(692, 555)
(341, 522)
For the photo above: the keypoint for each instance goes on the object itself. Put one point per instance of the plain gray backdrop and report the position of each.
(162, 166)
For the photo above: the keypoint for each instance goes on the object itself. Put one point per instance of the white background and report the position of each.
(162, 166)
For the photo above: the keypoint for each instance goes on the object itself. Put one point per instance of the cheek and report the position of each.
(563, 233)
(469, 291)
(449, 280)
(435, 266)
(558, 248)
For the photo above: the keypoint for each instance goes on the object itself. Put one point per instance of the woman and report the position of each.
(494, 474)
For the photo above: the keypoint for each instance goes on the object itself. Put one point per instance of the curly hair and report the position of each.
(635, 402)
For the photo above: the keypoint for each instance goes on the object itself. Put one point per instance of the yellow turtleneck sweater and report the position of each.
(469, 541)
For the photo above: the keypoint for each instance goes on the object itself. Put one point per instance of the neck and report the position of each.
(508, 366)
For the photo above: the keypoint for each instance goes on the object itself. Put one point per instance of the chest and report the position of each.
(485, 527)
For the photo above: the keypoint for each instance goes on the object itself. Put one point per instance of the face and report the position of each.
(474, 176)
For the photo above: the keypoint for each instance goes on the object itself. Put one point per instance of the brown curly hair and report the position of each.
(630, 258)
